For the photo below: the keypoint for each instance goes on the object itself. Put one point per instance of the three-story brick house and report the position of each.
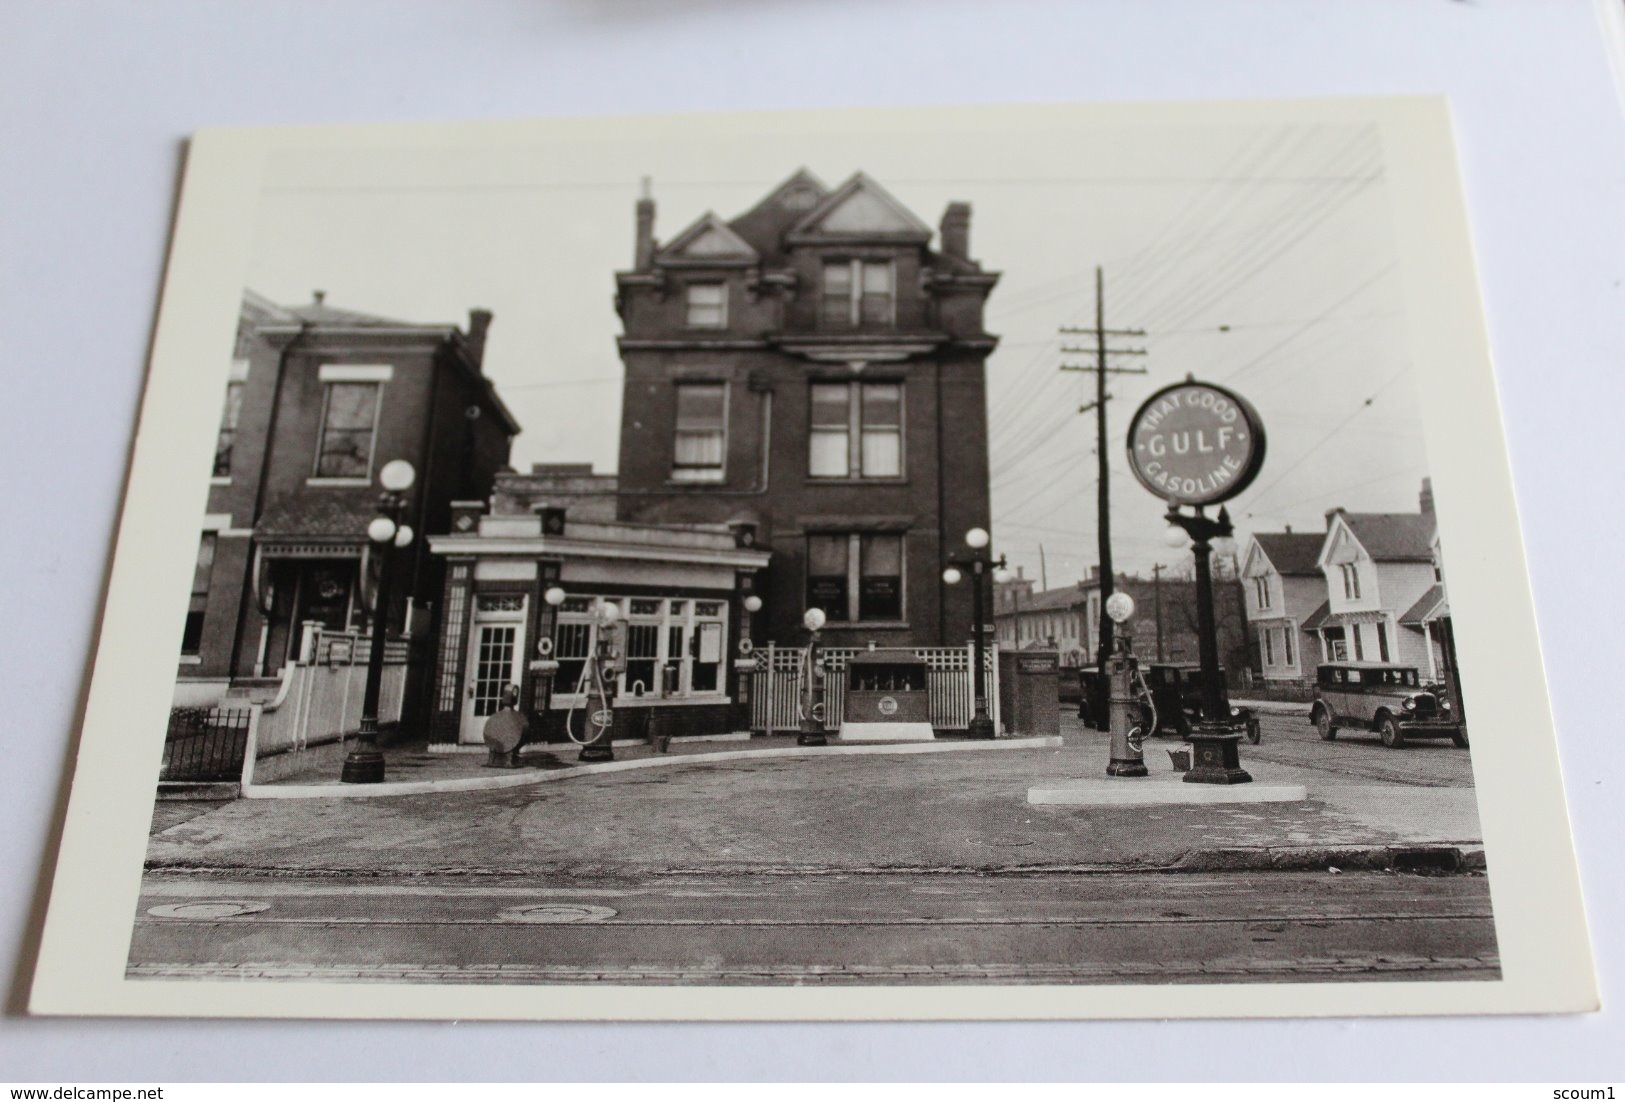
(812, 373)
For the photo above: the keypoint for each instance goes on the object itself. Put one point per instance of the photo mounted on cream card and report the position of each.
(995, 562)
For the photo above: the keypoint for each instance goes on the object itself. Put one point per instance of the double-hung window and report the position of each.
(856, 576)
(1261, 587)
(856, 430)
(228, 429)
(701, 434)
(707, 305)
(859, 293)
(192, 635)
(349, 430)
(1351, 580)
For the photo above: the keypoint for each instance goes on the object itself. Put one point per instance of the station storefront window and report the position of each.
(655, 633)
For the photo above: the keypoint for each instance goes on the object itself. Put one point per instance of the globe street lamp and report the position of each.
(364, 764)
(979, 564)
(810, 729)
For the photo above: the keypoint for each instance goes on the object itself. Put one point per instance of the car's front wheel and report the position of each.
(1392, 737)
(1323, 724)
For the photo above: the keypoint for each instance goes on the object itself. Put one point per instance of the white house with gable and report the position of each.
(1377, 567)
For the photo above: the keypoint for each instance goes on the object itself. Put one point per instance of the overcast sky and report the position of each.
(1257, 256)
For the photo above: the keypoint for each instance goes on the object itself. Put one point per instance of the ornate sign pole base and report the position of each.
(1216, 756)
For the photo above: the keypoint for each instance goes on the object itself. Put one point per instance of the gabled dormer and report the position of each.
(861, 212)
(1270, 559)
(1263, 581)
(1351, 575)
(708, 243)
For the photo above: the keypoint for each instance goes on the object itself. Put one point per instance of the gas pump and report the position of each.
(1128, 696)
(811, 726)
(597, 683)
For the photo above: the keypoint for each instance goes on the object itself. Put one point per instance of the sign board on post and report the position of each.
(1195, 443)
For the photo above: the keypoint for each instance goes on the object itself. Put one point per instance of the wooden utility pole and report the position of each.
(1156, 601)
(1103, 491)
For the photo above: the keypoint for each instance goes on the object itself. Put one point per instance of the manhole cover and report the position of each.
(1001, 842)
(556, 912)
(208, 908)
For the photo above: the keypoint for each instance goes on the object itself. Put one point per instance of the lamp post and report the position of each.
(364, 764)
(744, 663)
(810, 730)
(546, 666)
(978, 564)
(1215, 736)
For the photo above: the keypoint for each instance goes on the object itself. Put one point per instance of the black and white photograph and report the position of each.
(1000, 549)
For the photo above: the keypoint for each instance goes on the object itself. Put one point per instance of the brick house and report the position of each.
(317, 400)
(811, 373)
(1284, 589)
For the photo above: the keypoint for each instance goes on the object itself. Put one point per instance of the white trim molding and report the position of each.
(355, 373)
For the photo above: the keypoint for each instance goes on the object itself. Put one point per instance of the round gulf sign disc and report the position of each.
(1195, 443)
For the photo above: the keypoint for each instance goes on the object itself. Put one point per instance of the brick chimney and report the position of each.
(479, 321)
(956, 231)
(644, 256)
(1426, 496)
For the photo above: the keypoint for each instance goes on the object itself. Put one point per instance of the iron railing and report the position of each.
(776, 685)
(205, 744)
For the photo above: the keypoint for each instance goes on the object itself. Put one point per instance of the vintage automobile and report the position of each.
(1388, 699)
(1176, 693)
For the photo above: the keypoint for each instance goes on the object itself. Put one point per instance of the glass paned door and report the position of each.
(494, 654)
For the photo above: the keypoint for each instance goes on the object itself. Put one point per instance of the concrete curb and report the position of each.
(520, 780)
(1422, 857)
(1274, 707)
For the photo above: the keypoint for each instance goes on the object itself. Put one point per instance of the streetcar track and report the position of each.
(244, 921)
(1394, 966)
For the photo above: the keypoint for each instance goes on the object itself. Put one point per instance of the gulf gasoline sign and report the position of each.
(1195, 443)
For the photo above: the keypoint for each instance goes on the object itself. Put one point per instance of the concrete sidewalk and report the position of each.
(414, 770)
(844, 815)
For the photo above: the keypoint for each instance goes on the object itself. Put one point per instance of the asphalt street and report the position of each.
(839, 869)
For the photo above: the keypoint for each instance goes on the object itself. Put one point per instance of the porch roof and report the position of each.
(1317, 619)
(1430, 606)
(1345, 619)
(338, 513)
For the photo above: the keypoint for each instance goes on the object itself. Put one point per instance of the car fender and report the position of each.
(1380, 716)
(1315, 709)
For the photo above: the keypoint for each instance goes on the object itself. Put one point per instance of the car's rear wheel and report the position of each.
(1459, 738)
(1254, 731)
(1324, 725)
(1392, 737)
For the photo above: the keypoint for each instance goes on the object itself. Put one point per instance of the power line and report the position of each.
(1324, 440)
